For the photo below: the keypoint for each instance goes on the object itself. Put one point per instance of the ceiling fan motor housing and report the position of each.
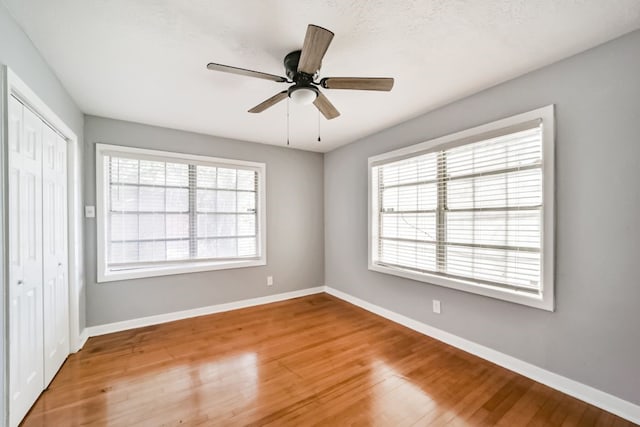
(291, 62)
(302, 81)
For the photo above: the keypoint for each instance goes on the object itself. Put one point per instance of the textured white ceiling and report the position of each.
(145, 60)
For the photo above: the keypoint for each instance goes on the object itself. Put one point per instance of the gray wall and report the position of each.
(295, 232)
(594, 335)
(18, 53)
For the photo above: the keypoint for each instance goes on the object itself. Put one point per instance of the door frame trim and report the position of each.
(4, 273)
(11, 84)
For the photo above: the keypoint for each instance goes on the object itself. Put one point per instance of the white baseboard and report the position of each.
(608, 402)
(108, 328)
(82, 340)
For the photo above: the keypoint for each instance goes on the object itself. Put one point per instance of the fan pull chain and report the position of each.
(288, 126)
(319, 140)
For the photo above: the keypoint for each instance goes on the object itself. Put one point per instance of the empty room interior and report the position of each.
(410, 213)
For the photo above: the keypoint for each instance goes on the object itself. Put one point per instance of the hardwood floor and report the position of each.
(310, 361)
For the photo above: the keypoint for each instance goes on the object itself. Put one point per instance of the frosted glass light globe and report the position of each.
(303, 96)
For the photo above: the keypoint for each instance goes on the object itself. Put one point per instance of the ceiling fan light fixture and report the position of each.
(303, 95)
(302, 69)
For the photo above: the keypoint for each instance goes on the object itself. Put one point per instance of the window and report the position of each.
(471, 211)
(166, 213)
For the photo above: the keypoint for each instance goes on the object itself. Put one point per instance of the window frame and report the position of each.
(173, 267)
(545, 298)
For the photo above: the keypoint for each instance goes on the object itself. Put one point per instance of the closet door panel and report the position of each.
(26, 366)
(56, 294)
(16, 368)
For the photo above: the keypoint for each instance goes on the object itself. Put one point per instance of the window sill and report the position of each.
(190, 267)
(541, 301)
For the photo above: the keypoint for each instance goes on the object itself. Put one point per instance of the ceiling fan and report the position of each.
(302, 67)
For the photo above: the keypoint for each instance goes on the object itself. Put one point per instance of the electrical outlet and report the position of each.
(269, 280)
(436, 306)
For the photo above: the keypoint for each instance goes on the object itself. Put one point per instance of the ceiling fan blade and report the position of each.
(316, 43)
(326, 107)
(358, 83)
(245, 72)
(269, 102)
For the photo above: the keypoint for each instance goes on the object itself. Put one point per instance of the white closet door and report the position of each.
(26, 364)
(54, 239)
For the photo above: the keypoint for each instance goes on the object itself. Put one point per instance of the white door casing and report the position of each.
(26, 341)
(54, 239)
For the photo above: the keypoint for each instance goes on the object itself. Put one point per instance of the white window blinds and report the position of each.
(163, 210)
(467, 210)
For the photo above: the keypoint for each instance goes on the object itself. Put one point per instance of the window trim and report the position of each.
(189, 266)
(545, 299)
